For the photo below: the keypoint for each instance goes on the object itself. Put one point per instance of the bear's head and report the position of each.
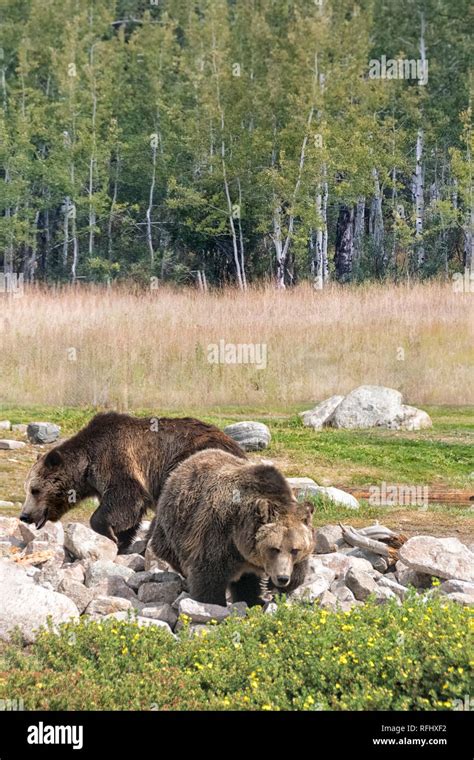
(284, 543)
(50, 488)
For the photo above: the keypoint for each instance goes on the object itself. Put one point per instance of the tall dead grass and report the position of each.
(125, 349)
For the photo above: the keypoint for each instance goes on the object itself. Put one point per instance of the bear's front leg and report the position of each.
(207, 583)
(120, 511)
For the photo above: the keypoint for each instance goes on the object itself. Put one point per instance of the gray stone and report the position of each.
(138, 547)
(10, 445)
(20, 428)
(316, 569)
(251, 436)
(378, 562)
(467, 600)
(105, 605)
(27, 605)
(183, 595)
(310, 591)
(303, 487)
(367, 406)
(397, 588)
(328, 601)
(77, 592)
(200, 612)
(443, 557)
(320, 416)
(117, 586)
(340, 563)
(74, 571)
(99, 570)
(152, 576)
(5, 424)
(408, 577)
(341, 591)
(329, 539)
(384, 594)
(410, 418)
(83, 543)
(165, 592)
(134, 561)
(161, 612)
(51, 532)
(360, 583)
(43, 432)
(456, 587)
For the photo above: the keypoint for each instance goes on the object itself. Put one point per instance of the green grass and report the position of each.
(411, 657)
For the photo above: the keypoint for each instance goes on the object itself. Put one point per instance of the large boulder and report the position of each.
(200, 612)
(43, 432)
(320, 416)
(251, 436)
(28, 605)
(377, 406)
(443, 557)
(84, 543)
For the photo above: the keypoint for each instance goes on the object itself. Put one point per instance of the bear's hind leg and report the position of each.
(247, 589)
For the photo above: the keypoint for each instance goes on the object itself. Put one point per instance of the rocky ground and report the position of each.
(68, 572)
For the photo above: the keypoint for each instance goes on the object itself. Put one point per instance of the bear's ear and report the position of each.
(265, 510)
(268, 480)
(305, 510)
(53, 459)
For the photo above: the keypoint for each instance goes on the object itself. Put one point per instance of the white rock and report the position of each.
(51, 532)
(317, 569)
(77, 592)
(321, 414)
(11, 445)
(134, 561)
(6, 504)
(84, 543)
(99, 570)
(74, 571)
(385, 594)
(465, 599)
(9, 526)
(341, 563)
(328, 601)
(378, 562)
(456, 587)
(161, 612)
(251, 436)
(442, 557)
(27, 605)
(397, 588)
(105, 605)
(410, 418)
(329, 539)
(303, 487)
(20, 428)
(199, 612)
(341, 591)
(5, 424)
(338, 496)
(360, 583)
(311, 591)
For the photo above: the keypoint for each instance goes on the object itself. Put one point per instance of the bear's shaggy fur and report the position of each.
(122, 460)
(226, 523)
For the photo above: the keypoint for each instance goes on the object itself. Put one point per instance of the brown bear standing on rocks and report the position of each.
(227, 523)
(124, 462)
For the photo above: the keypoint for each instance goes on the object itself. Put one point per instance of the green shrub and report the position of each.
(411, 657)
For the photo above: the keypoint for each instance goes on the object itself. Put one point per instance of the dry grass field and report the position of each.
(129, 349)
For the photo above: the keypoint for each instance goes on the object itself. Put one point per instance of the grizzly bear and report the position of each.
(124, 462)
(227, 523)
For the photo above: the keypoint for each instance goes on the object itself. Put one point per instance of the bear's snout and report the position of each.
(26, 518)
(283, 580)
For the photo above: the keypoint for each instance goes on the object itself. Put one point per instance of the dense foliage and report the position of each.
(411, 657)
(226, 141)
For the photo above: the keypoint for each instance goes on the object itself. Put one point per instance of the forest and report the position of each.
(215, 142)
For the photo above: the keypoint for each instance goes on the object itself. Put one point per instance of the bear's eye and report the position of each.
(275, 550)
(35, 491)
(294, 552)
